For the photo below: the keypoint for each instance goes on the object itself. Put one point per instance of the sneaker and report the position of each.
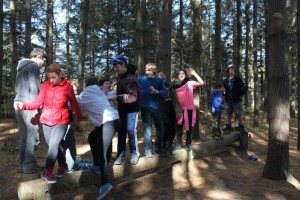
(228, 127)
(119, 160)
(149, 154)
(188, 147)
(48, 176)
(93, 167)
(134, 160)
(62, 170)
(104, 189)
(177, 147)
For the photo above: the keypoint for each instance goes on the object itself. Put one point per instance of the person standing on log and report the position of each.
(171, 110)
(185, 93)
(54, 96)
(106, 121)
(27, 87)
(234, 91)
(128, 98)
(152, 89)
(216, 109)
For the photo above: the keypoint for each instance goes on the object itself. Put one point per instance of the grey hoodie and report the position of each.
(27, 80)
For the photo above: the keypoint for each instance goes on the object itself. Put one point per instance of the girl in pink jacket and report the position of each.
(185, 93)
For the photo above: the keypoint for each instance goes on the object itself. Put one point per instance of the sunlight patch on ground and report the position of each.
(220, 194)
(185, 177)
(272, 196)
(82, 149)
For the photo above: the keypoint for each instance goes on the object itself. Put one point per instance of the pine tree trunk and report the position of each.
(277, 164)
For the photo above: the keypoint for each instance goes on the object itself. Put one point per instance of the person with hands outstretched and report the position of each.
(152, 90)
(54, 96)
(188, 81)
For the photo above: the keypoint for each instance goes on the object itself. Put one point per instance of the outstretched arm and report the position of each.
(199, 81)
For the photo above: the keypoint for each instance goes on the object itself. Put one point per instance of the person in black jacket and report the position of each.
(234, 90)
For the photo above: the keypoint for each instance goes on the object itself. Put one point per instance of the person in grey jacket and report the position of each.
(27, 88)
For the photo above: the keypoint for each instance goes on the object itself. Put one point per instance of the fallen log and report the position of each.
(38, 188)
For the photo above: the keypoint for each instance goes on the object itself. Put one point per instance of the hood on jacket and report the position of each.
(131, 69)
(23, 63)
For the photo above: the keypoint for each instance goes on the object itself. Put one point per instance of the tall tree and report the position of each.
(83, 29)
(68, 53)
(1, 51)
(140, 33)
(247, 47)
(165, 31)
(277, 165)
(28, 28)
(197, 50)
(13, 40)
(239, 18)
(298, 81)
(254, 66)
(218, 48)
(49, 32)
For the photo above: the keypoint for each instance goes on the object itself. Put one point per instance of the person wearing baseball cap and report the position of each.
(128, 98)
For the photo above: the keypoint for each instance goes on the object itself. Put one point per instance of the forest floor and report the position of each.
(224, 174)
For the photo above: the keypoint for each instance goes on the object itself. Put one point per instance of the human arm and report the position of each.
(36, 104)
(34, 80)
(74, 104)
(199, 81)
(129, 91)
(162, 92)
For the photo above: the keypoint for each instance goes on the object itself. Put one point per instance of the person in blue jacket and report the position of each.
(216, 108)
(152, 90)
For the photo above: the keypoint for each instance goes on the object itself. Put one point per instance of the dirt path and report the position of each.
(220, 175)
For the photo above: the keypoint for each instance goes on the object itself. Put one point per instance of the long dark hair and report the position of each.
(184, 81)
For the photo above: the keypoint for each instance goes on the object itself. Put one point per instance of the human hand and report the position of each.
(18, 105)
(112, 98)
(191, 71)
(153, 90)
(125, 96)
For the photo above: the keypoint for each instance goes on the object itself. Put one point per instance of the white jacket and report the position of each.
(95, 103)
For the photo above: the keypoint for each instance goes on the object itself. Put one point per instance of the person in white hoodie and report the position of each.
(106, 121)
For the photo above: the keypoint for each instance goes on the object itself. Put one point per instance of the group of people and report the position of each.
(234, 89)
(169, 105)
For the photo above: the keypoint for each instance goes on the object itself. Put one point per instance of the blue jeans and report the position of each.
(29, 139)
(149, 114)
(128, 125)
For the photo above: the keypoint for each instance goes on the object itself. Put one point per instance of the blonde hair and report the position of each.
(151, 66)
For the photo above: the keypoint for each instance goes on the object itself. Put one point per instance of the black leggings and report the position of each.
(100, 140)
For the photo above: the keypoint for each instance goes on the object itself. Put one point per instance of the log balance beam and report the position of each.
(39, 189)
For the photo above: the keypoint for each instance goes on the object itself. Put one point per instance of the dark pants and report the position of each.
(149, 114)
(189, 133)
(100, 140)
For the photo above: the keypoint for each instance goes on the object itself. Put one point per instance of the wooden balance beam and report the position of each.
(40, 189)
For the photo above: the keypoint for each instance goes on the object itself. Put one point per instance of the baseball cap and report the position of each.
(119, 59)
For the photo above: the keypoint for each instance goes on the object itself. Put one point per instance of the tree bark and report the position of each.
(218, 48)
(83, 30)
(49, 32)
(255, 69)
(165, 31)
(13, 40)
(277, 165)
(298, 81)
(28, 29)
